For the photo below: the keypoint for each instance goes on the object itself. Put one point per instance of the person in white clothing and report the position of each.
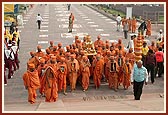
(39, 20)
(118, 19)
(160, 35)
(131, 43)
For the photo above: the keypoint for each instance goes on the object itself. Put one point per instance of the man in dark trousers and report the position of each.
(138, 77)
(12, 27)
(150, 64)
(39, 20)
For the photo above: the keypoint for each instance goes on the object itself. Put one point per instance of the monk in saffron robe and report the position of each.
(120, 60)
(34, 59)
(112, 66)
(41, 68)
(153, 47)
(127, 74)
(149, 28)
(62, 73)
(31, 82)
(129, 24)
(39, 53)
(98, 42)
(85, 65)
(120, 44)
(134, 24)
(98, 71)
(106, 59)
(49, 84)
(73, 68)
(131, 56)
(51, 46)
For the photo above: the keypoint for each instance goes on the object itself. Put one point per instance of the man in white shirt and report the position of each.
(131, 43)
(38, 20)
(118, 19)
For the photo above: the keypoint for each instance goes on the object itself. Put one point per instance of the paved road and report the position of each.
(54, 27)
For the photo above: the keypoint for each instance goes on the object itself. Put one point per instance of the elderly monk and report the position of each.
(47, 55)
(134, 24)
(98, 71)
(31, 82)
(112, 66)
(62, 73)
(41, 68)
(131, 56)
(34, 59)
(98, 42)
(49, 84)
(127, 74)
(149, 28)
(85, 65)
(60, 49)
(39, 52)
(73, 68)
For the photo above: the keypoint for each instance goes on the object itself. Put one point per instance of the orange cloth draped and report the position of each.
(85, 74)
(113, 74)
(131, 57)
(73, 68)
(98, 43)
(32, 82)
(33, 60)
(149, 28)
(129, 24)
(134, 25)
(127, 75)
(62, 73)
(49, 84)
(40, 54)
(98, 71)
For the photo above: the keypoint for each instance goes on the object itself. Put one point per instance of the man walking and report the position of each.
(71, 21)
(138, 77)
(125, 29)
(38, 20)
(118, 19)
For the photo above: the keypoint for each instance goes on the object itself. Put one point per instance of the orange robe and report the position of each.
(73, 68)
(40, 54)
(98, 43)
(113, 74)
(62, 73)
(33, 60)
(49, 84)
(153, 48)
(120, 61)
(127, 75)
(106, 59)
(131, 57)
(41, 70)
(134, 25)
(129, 24)
(85, 74)
(149, 28)
(98, 71)
(32, 82)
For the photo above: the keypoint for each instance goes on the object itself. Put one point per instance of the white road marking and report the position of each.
(93, 26)
(105, 34)
(85, 17)
(62, 20)
(24, 23)
(42, 36)
(66, 26)
(88, 19)
(45, 22)
(44, 26)
(19, 31)
(100, 15)
(43, 30)
(62, 15)
(107, 19)
(26, 17)
(113, 22)
(70, 35)
(42, 42)
(91, 22)
(103, 17)
(111, 41)
(99, 30)
(46, 17)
